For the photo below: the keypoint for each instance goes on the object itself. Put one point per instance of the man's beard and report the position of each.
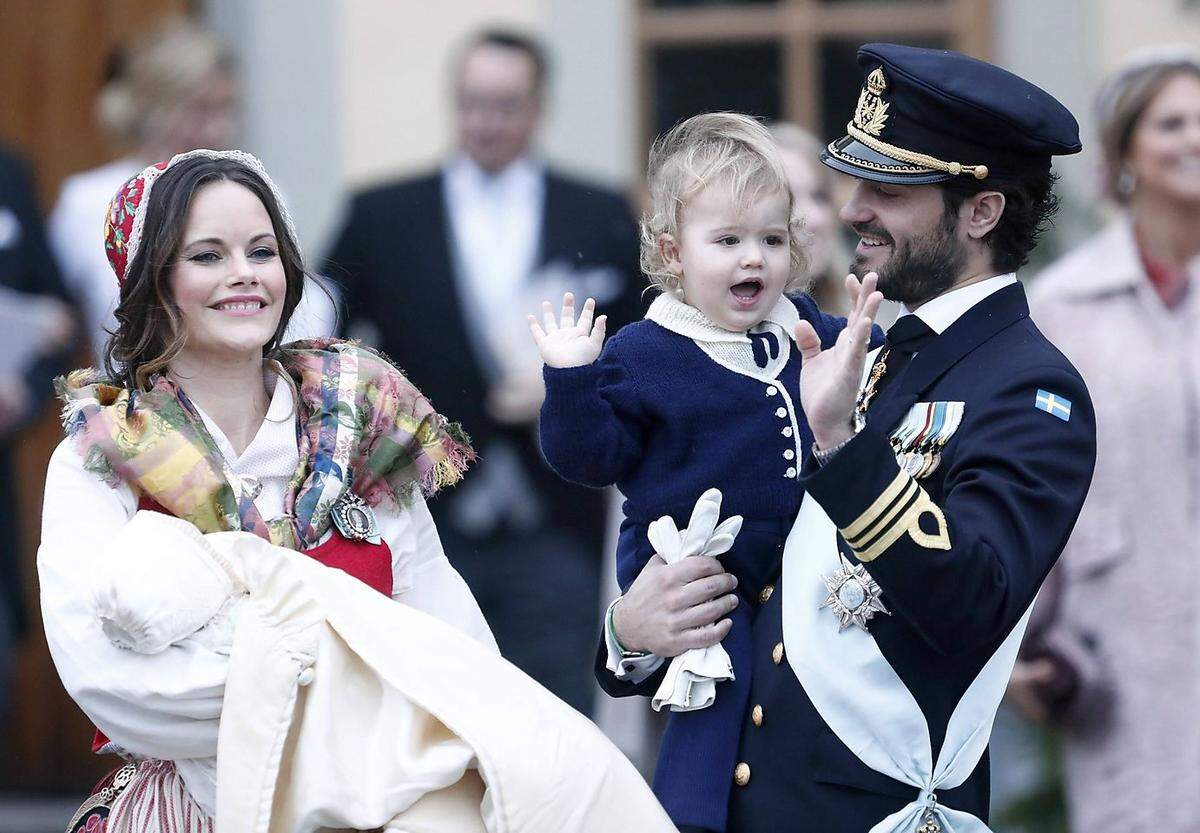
(921, 268)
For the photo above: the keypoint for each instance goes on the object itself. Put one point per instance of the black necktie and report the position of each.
(906, 338)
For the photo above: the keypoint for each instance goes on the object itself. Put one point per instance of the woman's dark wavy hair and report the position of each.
(149, 331)
(1029, 208)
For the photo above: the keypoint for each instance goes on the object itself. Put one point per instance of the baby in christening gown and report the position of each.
(378, 707)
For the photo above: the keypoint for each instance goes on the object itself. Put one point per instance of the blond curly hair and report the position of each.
(727, 148)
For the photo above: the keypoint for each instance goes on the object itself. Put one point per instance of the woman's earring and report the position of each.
(1126, 181)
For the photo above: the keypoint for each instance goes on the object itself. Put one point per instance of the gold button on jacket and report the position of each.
(741, 774)
(765, 594)
(756, 715)
(777, 653)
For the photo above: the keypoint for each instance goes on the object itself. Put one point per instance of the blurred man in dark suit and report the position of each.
(37, 324)
(439, 271)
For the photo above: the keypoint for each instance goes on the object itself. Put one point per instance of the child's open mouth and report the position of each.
(746, 293)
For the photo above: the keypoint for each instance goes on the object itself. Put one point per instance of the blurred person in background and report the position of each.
(171, 90)
(31, 300)
(439, 271)
(812, 187)
(1115, 659)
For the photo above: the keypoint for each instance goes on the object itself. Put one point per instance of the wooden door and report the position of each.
(52, 59)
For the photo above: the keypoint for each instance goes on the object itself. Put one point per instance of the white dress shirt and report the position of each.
(495, 222)
(948, 307)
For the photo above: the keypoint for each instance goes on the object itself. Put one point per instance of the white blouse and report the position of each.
(168, 705)
(75, 231)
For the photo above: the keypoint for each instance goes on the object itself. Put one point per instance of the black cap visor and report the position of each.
(852, 157)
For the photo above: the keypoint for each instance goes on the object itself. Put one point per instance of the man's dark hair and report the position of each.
(1029, 208)
(512, 39)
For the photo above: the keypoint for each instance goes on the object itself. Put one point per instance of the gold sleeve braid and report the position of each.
(896, 512)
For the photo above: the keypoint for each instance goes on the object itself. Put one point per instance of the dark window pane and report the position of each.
(841, 79)
(683, 4)
(698, 79)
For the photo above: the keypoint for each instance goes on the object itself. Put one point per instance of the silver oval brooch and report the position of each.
(354, 518)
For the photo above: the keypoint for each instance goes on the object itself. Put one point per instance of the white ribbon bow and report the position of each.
(691, 679)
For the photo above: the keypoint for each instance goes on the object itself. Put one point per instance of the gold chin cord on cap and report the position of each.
(914, 158)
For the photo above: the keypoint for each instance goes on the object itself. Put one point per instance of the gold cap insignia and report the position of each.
(871, 113)
(876, 81)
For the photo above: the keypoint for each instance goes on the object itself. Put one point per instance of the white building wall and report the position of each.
(396, 96)
(1070, 47)
(341, 93)
(287, 61)
(1125, 25)
(591, 125)
(1050, 43)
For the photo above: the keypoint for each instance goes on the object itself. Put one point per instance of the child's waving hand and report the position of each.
(565, 343)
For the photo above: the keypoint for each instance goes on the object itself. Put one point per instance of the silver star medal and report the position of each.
(853, 595)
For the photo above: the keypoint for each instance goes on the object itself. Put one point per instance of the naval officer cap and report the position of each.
(931, 115)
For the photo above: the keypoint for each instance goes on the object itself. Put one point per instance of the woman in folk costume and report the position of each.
(210, 480)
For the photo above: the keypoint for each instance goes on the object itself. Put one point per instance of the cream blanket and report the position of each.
(346, 710)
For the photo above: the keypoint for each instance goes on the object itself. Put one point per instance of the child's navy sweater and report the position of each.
(665, 421)
(659, 418)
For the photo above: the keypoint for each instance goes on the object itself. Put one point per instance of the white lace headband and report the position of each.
(123, 240)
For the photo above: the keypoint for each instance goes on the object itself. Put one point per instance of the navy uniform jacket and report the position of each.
(1010, 485)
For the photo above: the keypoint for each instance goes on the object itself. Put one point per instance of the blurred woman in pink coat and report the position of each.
(1118, 663)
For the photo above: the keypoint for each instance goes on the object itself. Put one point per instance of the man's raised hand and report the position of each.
(829, 379)
(565, 342)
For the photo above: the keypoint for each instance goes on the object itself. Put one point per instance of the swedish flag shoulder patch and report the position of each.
(1053, 404)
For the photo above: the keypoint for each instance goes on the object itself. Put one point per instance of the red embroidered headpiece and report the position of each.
(126, 213)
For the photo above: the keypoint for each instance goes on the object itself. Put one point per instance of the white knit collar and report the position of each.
(668, 311)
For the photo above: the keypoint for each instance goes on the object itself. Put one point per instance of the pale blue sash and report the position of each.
(864, 702)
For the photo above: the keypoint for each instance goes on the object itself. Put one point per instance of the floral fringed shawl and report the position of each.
(361, 425)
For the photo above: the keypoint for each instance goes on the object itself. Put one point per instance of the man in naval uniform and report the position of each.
(948, 469)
